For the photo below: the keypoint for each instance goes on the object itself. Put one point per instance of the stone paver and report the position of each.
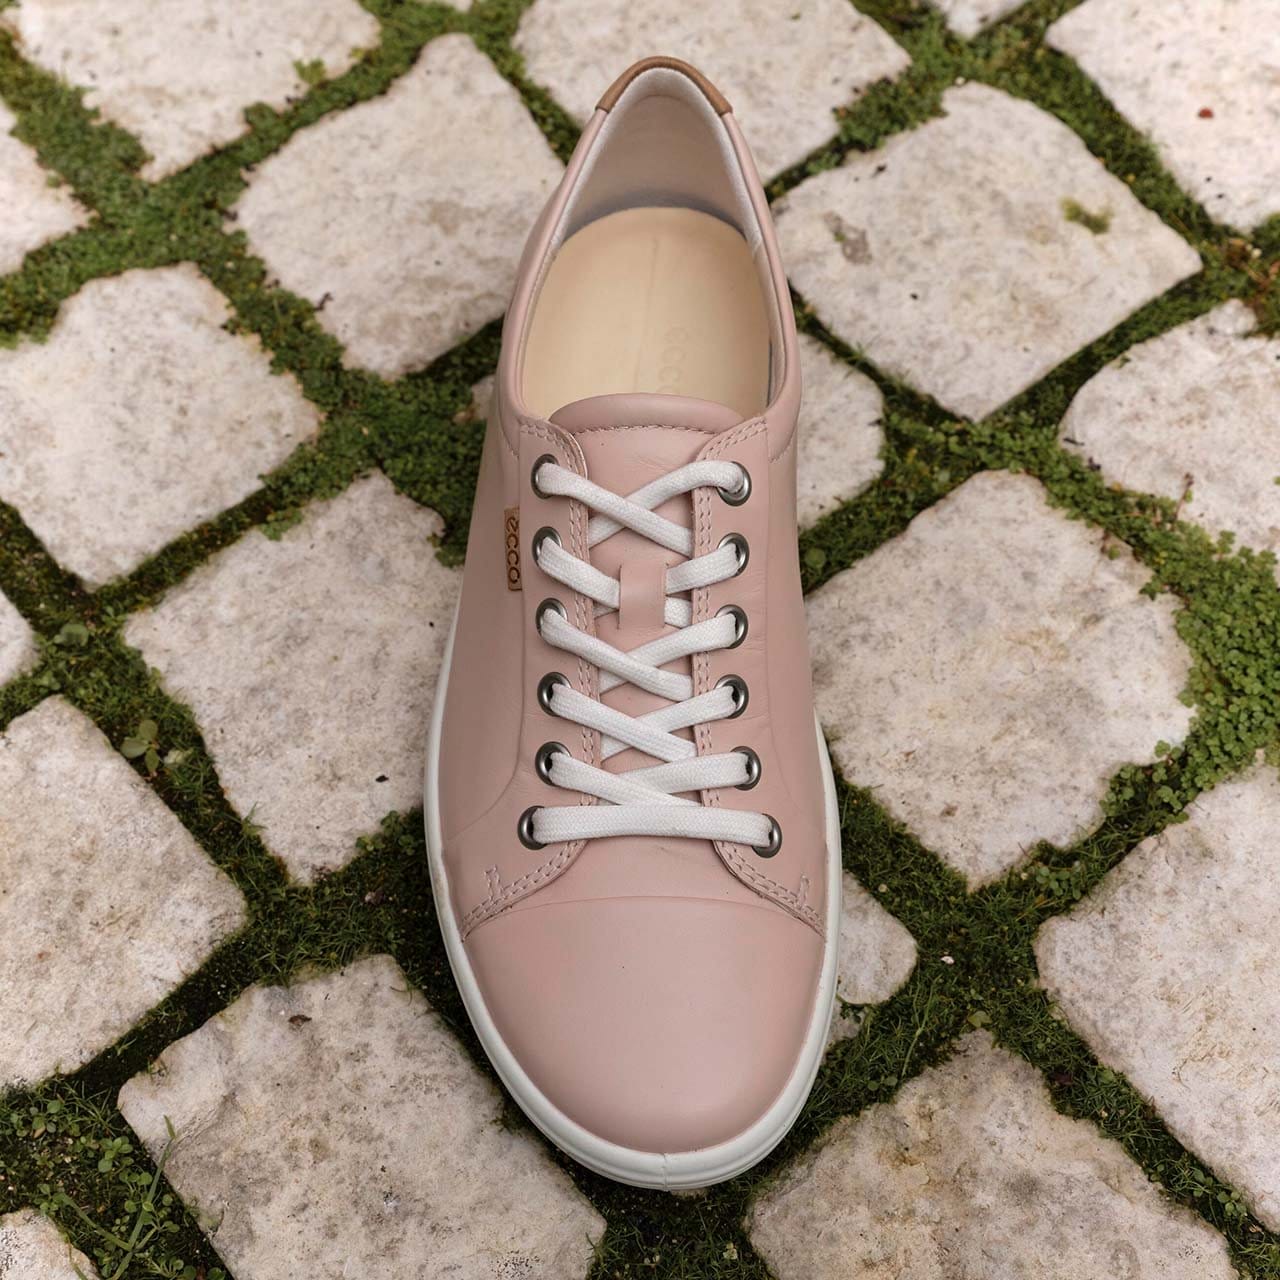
(106, 903)
(181, 84)
(877, 955)
(1193, 410)
(840, 433)
(34, 211)
(17, 641)
(310, 664)
(970, 1172)
(336, 1128)
(1199, 77)
(967, 17)
(786, 65)
(31, 1248)
(986, 672)
(956, 255)
(406, 214)
(138, 418)
(481, 399)
(1169, 971)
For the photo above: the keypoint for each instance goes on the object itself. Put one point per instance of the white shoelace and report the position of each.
(648, 801)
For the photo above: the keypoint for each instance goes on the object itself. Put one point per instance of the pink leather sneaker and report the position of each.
(630, 813)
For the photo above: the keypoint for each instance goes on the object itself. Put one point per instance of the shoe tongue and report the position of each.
(637, 409)
(627, 441)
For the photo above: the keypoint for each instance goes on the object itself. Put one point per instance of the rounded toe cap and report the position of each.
(659, 1024)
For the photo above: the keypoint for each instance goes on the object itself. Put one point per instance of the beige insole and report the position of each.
(650, 300)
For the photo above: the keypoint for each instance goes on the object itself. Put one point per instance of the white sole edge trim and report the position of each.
(663, 1171)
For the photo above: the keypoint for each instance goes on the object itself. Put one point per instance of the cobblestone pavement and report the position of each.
(252, 260)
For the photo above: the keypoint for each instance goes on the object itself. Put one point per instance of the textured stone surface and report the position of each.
(877, 954)
(138, 418)
(181, 85)
(1193, 409)
(33, 210)
(31, 1248)
(988, 670)
(310, 664)
(840, 433)
(786, 65)
(481, 399)
(336, 1128)
(1200, 77)
(949, 257)
(407, 213)
(106, 903)
(17, 642)
(1169, 971)
(968, 17)
(970, 1172)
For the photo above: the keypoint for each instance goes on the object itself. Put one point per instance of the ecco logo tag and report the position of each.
(511, 536)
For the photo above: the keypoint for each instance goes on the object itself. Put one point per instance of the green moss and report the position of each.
(493, 24)
(1098, 223)
(79, 1163)
(99, 161)
(311, 73)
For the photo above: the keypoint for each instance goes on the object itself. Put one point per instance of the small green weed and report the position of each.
(79, 1166)
(144, 741)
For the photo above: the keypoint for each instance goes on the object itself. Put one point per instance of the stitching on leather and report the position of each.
(645, 426)
(545, 432)
(584, 617)
(785, 897)
(739, 433)
(788, 899)
(787, 448)
(491, 906)
(493, 902)
(791, 440)
(701, 596)
(515, 453)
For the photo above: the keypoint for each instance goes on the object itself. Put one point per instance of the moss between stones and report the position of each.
(1098, 223)
(976, 965)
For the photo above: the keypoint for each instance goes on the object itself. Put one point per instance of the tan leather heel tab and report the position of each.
(712, 94)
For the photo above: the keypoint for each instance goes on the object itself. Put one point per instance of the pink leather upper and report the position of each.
(672, 973)
(662, 1024)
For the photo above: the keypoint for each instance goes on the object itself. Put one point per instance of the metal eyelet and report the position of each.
(544, 534)
(774, 843)
(548, 605)
(546, 753)
(736, 497)
(741, 694)
(740, 623)
(754, 768)
(546, 685)
(533, 475)
(741, 546)
(524, 828)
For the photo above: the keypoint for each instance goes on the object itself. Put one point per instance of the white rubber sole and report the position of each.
(669, 1171)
